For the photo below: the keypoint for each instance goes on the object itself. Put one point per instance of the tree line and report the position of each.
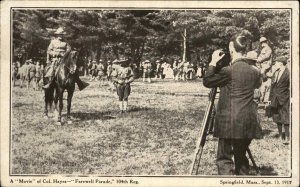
(146, 34)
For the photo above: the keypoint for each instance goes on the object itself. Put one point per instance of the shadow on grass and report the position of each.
(138, 109)
(267, 170)
(19, 105)
(85, 116)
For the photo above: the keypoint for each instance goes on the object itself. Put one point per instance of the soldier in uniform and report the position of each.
(57, 49)
(185, 70)
(146, 70)
(101, 72)
(122, 76)
(15, 71)
(30, 75)
(264, 61)
(38, 74)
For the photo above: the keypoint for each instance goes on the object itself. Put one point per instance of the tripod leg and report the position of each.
(253, 161)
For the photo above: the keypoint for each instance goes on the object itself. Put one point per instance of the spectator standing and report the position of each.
(280, 98)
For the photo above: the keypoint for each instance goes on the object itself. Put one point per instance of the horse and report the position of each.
(64, 79)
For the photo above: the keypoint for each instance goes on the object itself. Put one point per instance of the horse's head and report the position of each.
(71, 61)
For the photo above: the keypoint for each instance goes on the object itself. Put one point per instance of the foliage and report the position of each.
(141, 34)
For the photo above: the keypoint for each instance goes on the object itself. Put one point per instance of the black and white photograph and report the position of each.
(124, 93)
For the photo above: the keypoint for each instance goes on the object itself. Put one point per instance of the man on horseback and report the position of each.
(57, 50)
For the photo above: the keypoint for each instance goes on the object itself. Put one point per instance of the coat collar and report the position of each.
(239, 59)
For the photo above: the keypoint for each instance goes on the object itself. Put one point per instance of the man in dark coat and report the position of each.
(236, 122)
(280, 98)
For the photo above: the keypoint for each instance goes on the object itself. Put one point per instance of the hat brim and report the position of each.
(252, 59)
(60, 33)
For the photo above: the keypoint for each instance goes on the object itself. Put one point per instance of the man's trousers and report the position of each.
(237, 148)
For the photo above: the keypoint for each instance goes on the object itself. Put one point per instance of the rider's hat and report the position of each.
(60, 31)
(147, 61)
(263, 39)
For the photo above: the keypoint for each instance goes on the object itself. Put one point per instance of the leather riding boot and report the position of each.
(47, 86)
(81, 84)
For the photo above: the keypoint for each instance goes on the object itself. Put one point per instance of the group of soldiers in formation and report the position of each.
(159, 69)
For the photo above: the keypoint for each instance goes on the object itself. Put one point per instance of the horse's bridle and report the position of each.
(71, 71)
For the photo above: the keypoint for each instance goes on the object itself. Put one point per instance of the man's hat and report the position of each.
(263, 39)
(60, 30)
(116, 61)
(282, 59)
(29, 60)
(252, 55)
(147, 61)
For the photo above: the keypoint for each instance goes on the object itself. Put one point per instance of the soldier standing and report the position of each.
(264, 60)
(146, 70)
(101, 72)
(122, 76)
(57, 49)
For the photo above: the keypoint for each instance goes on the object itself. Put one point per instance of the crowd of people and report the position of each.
(147, 70)
(30, 72)
(249, 79)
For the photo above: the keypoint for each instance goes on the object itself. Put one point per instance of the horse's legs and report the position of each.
(60, 97)
(55, 103)
(70, 95)
(46, 104)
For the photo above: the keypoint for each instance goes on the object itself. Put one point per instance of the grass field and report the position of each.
(156, 137)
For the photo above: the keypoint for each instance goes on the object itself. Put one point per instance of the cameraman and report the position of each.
(236, 118)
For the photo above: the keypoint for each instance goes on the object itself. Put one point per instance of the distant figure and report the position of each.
(93, 70)
(146, 66)
(280, 98)
(158, 69)
(15, 72)
(264, 60)
(38, 74)
(101, 72)
(122, 76)
(175, 70)
(24, 73)
(185, 70)
(190, 71)
(200, 70)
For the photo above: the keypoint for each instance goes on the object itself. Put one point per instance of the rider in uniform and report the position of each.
(57, 49)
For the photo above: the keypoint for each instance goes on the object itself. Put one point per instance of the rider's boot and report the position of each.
(47, 86)
(81, 84)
